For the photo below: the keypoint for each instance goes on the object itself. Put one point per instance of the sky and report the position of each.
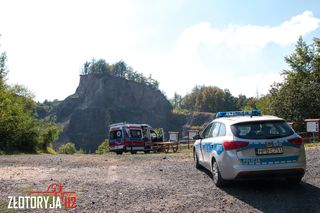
(232, 44)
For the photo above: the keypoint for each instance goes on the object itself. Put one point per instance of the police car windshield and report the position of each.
(261, 130)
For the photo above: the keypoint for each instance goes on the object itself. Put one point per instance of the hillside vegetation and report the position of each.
(20, 129)
(119, 69)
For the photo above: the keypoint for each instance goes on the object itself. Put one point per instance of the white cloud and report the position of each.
(235, 57)
(249, 35)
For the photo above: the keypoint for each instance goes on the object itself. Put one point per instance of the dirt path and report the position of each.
(153, 183)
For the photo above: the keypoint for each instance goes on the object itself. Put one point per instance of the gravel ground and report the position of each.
(153, 183)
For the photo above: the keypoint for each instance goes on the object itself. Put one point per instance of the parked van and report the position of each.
(125, 137)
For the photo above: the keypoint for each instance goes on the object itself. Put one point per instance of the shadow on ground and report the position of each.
(275, 195)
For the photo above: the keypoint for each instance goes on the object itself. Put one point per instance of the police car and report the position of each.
(246, 145)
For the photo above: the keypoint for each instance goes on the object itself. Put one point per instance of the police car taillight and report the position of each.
(230, 145)
(296, 141)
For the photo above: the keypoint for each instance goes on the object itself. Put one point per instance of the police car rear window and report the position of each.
(115, 134)
(261, 130)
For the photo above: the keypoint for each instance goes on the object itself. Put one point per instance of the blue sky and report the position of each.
(239, 45)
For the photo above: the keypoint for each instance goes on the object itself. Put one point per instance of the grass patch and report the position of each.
(4, 207)
(26, 191)
(183, 151)
(312, 145)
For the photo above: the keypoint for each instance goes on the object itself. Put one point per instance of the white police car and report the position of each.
(245, 145)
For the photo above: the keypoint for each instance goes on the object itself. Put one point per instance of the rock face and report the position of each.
(103, 99)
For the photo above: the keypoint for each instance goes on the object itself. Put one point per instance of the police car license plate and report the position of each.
(269, 151)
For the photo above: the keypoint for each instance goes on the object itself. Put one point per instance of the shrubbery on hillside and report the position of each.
(68, 148)
(119, 69)
(103, 147)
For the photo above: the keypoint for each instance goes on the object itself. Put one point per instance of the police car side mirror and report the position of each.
(197, 137)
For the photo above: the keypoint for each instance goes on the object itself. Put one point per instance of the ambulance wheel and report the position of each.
(216, 175)
(119, 152)
(147, 152)
(133, 152)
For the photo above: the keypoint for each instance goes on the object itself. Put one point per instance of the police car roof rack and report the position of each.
(251, 113)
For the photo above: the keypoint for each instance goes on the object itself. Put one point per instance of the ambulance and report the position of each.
(125, 137)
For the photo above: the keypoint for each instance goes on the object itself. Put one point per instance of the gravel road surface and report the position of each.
(153, 183)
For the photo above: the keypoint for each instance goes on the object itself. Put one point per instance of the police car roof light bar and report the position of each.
(254, 112)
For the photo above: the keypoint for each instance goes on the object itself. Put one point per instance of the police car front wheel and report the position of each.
(196, 159)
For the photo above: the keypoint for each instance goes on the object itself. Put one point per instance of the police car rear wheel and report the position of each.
(216, 176)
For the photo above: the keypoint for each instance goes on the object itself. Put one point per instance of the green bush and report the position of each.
(68, 148)
(80, 151)
(103, 147)
(50, 150)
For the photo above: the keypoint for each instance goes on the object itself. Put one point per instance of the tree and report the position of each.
(119, 69)
(49, 132)
(209, 99)
(176, 101)
(297, 97)
(229, 101)
(3, 68)
(99, 67)
(263, 104)
(241, 101)
(85, 69)
(20, 130)
(251, 103)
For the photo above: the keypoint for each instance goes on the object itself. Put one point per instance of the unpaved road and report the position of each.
(153, 183)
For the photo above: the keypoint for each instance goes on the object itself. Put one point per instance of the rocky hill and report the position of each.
(104, 99)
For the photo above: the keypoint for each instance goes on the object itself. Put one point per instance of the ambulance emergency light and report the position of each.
(254, 112)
